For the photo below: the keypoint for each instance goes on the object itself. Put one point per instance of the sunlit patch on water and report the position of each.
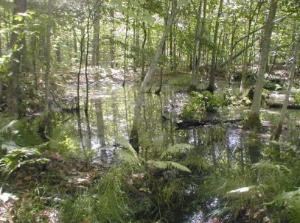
(234, 138)
(105, 156)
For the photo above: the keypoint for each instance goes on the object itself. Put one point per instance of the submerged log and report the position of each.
(196, 123)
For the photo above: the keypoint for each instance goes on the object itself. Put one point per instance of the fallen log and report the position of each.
(275, 100)
(197, 123)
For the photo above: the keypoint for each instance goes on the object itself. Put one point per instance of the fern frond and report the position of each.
(176, 149)
(164, 165)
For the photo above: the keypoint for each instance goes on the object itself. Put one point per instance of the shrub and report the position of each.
(200, 103)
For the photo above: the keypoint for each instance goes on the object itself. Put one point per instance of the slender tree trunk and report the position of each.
(86, 75)
(34, 61)
(294, 60)
(100, 122)
(245, 59)
(253, 119)
(125, 59)
(146, 87)
(143, 51)
(47, 58)
(87, 87)
(196, 51)
(74, 42)
(211, 85)
(0, 43)
(96, 40)
(247, 55)
(112, 39)
(230, 67)
(78, 89)
(17, 43)
(136, 39)
(203, 28)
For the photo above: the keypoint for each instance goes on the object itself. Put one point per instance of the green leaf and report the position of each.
(176, 149)
(164, 165)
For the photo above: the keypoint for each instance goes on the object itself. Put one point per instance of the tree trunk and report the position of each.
(86, 104)
(17, 43)
(0, 43)
(78, 88)
(196, 51)
(100, 122)
(294, 60)
(112, 39)
(253, 119)
(246, 57)
(146, 87)
(34, 61)
(47, 70)
(75, 42)
(125, 56)
(143, 51)
(96, 40)
(211, 85)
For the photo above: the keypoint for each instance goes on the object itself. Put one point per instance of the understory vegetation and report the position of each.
(149, 111)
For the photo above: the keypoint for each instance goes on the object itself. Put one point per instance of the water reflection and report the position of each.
(152, 127)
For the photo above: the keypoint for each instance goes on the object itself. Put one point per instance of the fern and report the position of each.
(267, 167)
(290, 201)
(20, 157)
(164, 165)
(176, 150)
(274, 176)
(128, 155)
(9, 127)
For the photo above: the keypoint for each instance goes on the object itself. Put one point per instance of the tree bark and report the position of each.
(112, 39)
(96, 40)
(254, 120)
(47, 58)
(146, 87)
(294, 60)
(0, 43)
(17, 43)
(196, 51)
(100, 122)
(143, 51)
(78, 89)
(211, 85)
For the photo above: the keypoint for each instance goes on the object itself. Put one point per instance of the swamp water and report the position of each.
(217, 148)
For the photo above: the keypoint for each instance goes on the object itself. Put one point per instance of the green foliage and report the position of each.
(64, 141)
(30, 210)
(107, 201)
(271, 86)
(297, 98)
(127, 153)
(130, 157)
(23, 132)
(288, 205)
(200, 103)
(196, 163)
(173, 193)
(19, 158)
(165, 165)
(273, 177)
(175, 150)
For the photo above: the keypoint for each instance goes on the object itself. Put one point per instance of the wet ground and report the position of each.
(111, 114)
